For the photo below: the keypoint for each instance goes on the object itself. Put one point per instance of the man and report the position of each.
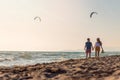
(88, 47)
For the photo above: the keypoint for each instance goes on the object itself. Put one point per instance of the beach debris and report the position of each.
(91, 14)
(37, 18)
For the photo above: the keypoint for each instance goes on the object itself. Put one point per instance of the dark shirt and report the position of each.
(88, 45)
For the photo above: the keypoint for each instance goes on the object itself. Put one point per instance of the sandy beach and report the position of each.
(104, 68)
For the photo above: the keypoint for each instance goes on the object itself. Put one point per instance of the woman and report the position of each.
(98, 46)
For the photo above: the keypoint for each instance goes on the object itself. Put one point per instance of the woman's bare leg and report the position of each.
(89, 55)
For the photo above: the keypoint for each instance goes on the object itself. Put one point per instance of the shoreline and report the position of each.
(104, 68)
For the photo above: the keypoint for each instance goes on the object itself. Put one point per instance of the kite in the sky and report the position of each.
(92, 13)
(37, 18)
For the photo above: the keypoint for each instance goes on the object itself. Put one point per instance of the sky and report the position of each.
(65, 24)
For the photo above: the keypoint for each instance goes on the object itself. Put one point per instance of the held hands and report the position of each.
(92, 48)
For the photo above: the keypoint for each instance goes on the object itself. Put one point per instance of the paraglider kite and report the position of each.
(92, 13)
(37, 18)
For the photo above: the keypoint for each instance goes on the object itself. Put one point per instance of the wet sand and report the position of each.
(104, 68)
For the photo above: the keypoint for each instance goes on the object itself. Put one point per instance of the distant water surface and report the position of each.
(19, 58)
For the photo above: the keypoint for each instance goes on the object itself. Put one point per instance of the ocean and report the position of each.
(21, 58)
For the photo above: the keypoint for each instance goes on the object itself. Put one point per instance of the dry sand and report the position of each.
(104, 68)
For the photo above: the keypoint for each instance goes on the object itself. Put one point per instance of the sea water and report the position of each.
(20, 58)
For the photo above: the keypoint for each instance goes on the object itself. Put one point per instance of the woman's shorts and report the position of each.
(97, 49)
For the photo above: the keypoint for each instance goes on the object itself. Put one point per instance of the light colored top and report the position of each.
(97, 44)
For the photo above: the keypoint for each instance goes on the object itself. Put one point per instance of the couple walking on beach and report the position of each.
(88, 47)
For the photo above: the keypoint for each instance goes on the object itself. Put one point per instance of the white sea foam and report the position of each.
(29, 58)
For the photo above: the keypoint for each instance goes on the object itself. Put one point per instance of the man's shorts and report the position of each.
(88, 51)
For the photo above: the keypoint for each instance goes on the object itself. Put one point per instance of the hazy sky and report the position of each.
(65, 24)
